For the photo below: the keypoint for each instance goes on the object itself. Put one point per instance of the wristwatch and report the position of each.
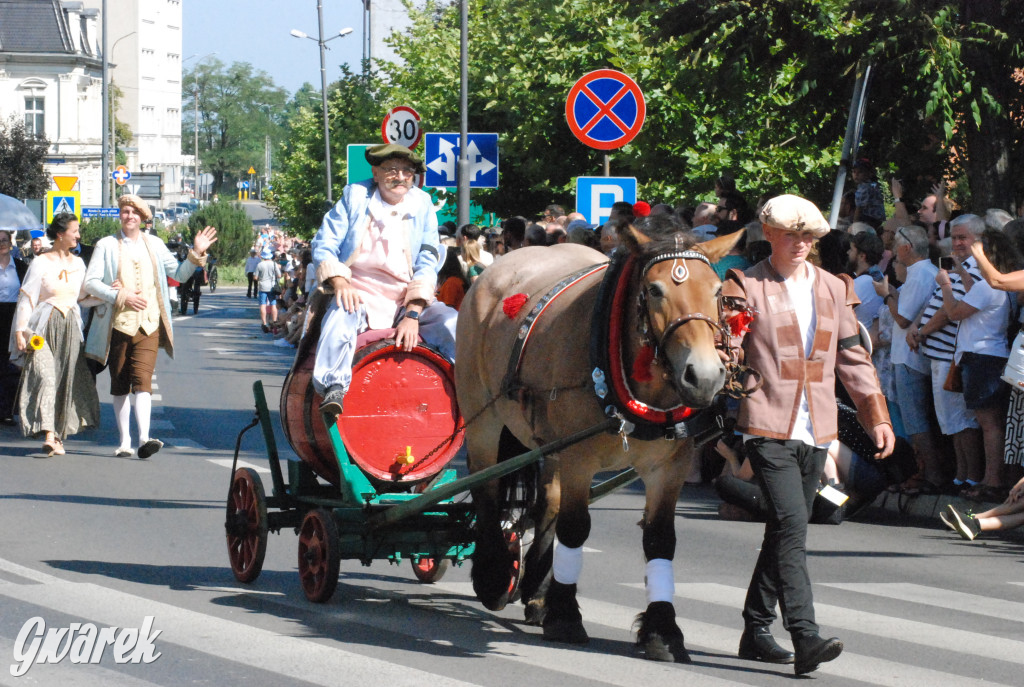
(412, 315)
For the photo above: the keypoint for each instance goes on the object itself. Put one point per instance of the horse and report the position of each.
(664, 319)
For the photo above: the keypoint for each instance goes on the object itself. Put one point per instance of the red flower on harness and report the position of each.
(513, 304)
(641, 208)
(642, 364)
(739, 324)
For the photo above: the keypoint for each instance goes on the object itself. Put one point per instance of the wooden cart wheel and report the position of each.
(247, 525)
(319, 555)
(514, 539)
(430, 570)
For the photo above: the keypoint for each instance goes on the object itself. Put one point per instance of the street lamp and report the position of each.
(323, 86)
(195, 122)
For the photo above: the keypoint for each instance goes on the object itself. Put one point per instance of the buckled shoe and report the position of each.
(757, 644)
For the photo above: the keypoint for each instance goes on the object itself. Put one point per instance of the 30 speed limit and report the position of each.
(402, 126)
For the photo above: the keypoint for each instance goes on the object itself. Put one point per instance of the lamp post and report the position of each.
(107, 122)
(323, 87)
(195, 123)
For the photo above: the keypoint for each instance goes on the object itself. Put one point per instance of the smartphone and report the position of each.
(946, 263)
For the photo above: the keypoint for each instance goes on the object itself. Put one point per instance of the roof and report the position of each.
(33, 26)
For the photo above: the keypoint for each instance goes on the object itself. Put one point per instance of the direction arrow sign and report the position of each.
(441, 153)
(402, 126)
(605, 109)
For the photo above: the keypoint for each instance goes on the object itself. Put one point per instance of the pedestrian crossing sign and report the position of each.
(62, 201)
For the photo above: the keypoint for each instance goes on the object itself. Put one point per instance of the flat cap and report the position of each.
(385, 151)
(140, 205)
(793, 213)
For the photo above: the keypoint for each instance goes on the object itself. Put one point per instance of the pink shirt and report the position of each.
(381, 271)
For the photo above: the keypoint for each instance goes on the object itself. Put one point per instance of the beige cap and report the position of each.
(793, 213)
(137, 203)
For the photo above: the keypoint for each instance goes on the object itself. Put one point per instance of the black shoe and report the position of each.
(757, 644)
(812, 650)
(332, 403)
(149, 448)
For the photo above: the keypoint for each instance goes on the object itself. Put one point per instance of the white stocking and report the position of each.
(567, 564)
(143, 408)
(122, 413)
(660, 584)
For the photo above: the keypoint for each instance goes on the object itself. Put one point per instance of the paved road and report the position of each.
(89, 538)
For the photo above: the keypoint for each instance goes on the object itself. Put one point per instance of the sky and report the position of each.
(257, 32)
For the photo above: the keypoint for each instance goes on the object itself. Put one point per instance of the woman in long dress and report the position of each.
(57, 392)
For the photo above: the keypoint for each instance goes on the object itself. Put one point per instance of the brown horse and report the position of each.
(549, 389)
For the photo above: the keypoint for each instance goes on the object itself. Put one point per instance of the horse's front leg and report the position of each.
(658, 635)
(563, 621)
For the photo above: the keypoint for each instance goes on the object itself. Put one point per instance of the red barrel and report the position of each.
(399, 420)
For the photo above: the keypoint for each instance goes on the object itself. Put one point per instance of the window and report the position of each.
(34, 116)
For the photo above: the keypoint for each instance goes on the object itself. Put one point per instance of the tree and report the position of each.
(122, 132)
(21, 161)
(356, 108)
(238, 108)
(234, 230)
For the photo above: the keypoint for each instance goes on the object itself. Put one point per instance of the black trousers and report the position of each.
(788, 472)
(253, 286)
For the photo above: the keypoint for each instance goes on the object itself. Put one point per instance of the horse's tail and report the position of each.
(517, 491)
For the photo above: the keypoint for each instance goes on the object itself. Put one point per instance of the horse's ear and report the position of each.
(717, 248)
(631, 237)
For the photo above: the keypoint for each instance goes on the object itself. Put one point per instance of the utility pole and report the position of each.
(463, 199)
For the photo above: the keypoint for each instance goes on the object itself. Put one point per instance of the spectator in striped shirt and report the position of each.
(935, 336)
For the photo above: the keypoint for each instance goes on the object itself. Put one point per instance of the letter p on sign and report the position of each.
(596, 195)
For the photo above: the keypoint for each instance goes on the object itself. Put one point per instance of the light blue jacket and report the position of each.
(103, 270)
(336, 245)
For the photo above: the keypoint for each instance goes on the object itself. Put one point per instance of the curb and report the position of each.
(929, 506)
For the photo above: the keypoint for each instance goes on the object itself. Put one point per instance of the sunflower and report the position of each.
(36, 342)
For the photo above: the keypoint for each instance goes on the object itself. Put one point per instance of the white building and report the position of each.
(144, 40)
(51, 74)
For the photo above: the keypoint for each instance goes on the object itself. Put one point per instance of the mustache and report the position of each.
(395, 183)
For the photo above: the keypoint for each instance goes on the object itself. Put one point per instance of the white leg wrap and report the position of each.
(659, 582)
(568, 563)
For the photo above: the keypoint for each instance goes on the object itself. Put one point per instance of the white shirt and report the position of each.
(9, 283)
(914, 295)
(870, 301)
(984, 331)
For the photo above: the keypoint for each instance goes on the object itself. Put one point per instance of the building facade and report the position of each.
(51, 75)
(144, 41)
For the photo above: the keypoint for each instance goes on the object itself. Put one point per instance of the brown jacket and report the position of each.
(775, 348)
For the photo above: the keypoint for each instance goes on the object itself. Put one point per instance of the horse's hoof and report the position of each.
(534, 612)
(497, 604)
(672, 651)
(566, 632)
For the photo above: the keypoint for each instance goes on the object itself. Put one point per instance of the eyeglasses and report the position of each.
(398, 171)
(5, 242)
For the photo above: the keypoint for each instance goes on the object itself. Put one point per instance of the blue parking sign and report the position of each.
(596, 195)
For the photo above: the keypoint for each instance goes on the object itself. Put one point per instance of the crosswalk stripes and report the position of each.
(960, 602)
(447, 604)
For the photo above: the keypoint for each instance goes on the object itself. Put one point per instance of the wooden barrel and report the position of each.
(400, 413)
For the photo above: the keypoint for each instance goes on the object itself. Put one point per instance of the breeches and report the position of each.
(132, 360)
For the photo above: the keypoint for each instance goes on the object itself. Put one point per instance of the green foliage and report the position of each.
(238, 108)
(234, 230)
(92, 230)
(356, 107)
(21, 161)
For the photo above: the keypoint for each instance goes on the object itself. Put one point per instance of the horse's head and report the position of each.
(679, 313)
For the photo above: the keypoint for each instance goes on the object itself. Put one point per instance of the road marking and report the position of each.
(724, 640)
(307, 659)
(176, 442)
(912, 631)
(157, 397)
(226, 463)
(941, 598)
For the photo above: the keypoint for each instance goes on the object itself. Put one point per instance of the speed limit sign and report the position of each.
(402, 126)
